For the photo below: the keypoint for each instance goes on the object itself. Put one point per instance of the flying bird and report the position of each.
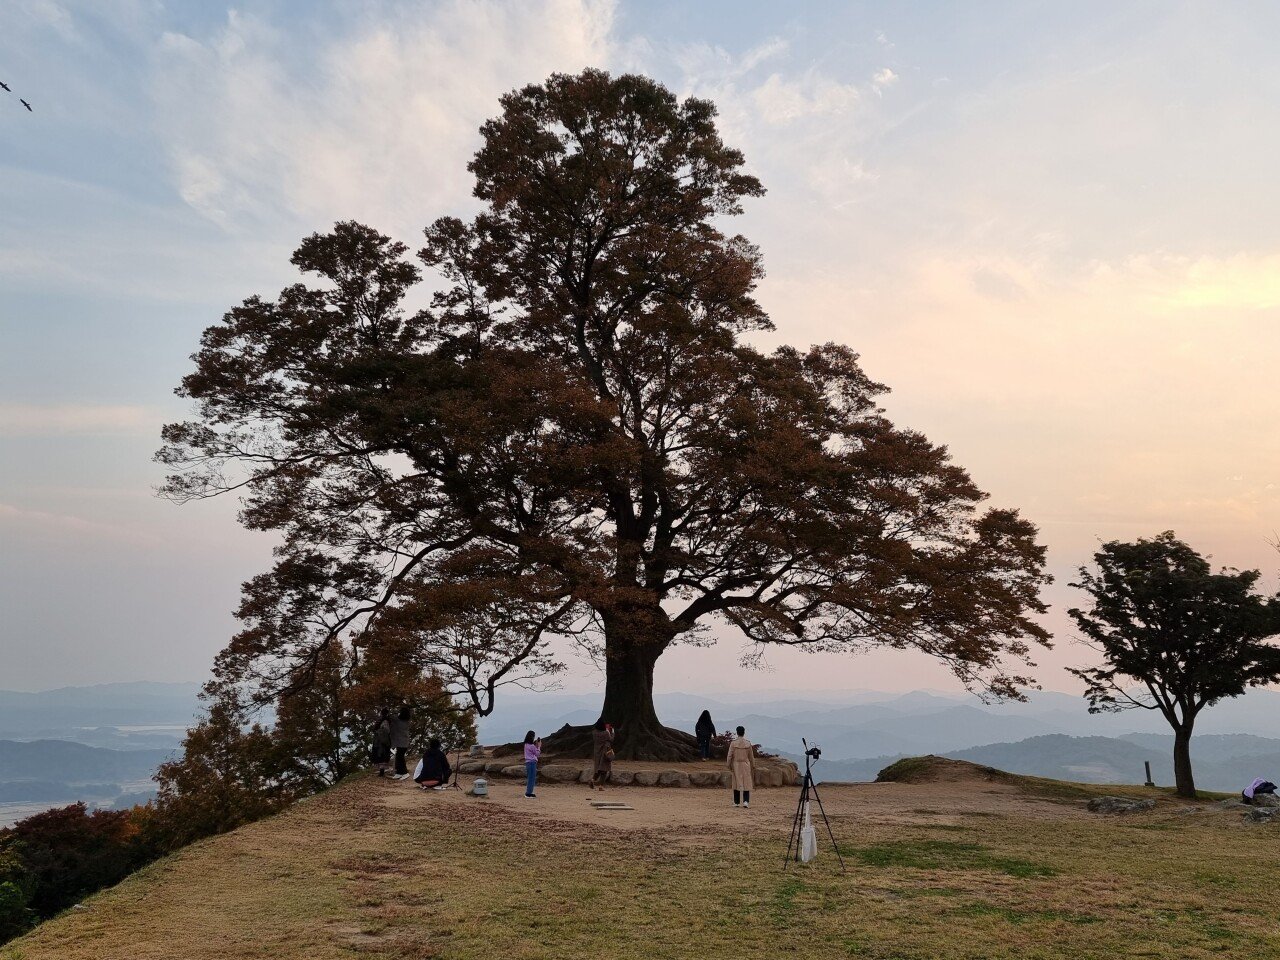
(25, 104)
(6, 86)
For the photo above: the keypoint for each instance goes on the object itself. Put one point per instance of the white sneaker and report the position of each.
(441, 787)
(736, 806)
(745, 805)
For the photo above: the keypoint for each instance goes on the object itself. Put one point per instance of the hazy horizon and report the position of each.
(1047, 229)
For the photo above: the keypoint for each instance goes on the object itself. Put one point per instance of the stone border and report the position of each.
(776, 773)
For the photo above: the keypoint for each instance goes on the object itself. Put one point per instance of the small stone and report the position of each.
(645, 778)
(1120, 805)
(1260, 815)
(515, 771)
(704, 778)
(673, 778)
(495, 767)
(1267, 800)
(618, 778)
(471, 766)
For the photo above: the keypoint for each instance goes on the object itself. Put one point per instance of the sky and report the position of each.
(1052, 229)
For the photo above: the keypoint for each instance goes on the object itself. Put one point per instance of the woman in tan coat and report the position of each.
(742, 761)
(601, 753)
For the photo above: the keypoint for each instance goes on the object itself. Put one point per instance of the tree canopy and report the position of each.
(578, 437)
(1174, 636)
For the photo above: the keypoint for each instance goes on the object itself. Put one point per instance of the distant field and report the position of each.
(974, 868)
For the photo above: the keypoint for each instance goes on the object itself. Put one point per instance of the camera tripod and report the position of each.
(452, 782)
(808, 789)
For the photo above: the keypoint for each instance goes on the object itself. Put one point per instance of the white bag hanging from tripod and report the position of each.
(808, 837)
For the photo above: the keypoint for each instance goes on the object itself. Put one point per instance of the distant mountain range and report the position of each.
(97, 744)
(1052, 735)
(133, 714)
(1225, 762)
(869, 724)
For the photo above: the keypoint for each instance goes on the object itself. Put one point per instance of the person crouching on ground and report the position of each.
(601, 753)
(704, 730)
(382, 742)
(742, 763)
(400, 741)
(435, 771)
(532, 751)
(1259, 786)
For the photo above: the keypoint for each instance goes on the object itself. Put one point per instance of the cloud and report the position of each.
(376, 122)
(43, 524)
(781, 100)
(883, 78)
(24, 420)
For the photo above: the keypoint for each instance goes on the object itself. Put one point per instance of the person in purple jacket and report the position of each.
(532, 751)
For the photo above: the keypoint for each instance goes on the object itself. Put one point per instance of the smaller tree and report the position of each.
(61, 856)
(1175, 636)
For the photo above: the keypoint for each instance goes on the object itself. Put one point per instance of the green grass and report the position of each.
(946, 855)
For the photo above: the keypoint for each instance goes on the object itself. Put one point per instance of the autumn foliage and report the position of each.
(578, 437)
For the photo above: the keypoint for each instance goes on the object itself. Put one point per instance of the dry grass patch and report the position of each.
(368, 873)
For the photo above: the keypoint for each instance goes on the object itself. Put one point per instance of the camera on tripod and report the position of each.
(804, 838)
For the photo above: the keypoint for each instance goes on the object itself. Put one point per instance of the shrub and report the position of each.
(69, 853)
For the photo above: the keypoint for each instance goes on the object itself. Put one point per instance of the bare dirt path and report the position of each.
(772, 808)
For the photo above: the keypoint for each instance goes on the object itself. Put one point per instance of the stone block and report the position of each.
(559, 773)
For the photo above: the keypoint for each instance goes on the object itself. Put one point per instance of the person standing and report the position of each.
(400, 740)
(382, 742)
(742, 763)
(704, 730)
(532, 751)
(601, 753)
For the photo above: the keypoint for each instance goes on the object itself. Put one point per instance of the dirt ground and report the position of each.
(771, 810)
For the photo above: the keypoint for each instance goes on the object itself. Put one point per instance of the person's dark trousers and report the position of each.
(400, 767)
(704, 747)
(743, 796)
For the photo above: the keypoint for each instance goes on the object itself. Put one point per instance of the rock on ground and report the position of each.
(1119, 805)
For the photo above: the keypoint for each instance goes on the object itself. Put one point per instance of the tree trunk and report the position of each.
(1182, 777)
(632, 646)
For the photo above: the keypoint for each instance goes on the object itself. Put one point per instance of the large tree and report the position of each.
(1174, 636)
(578, 437)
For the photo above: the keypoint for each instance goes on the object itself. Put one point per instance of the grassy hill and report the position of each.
(958, 863)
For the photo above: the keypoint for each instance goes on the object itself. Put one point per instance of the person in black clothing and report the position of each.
(382, 742)
(400, 741)
(705, 729)
(435, 770)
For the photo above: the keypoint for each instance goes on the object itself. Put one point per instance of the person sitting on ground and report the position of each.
(1259, 786)
(382, 742)
(434, 771)
(601, 753)
(742, 761)
(704, 730)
